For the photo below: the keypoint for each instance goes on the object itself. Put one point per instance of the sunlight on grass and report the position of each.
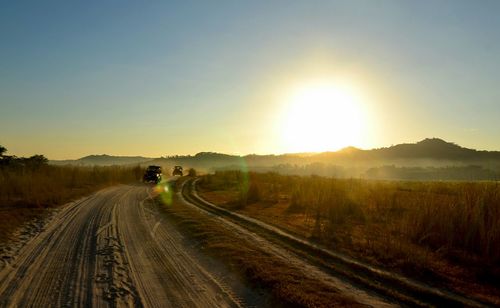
(412, 226)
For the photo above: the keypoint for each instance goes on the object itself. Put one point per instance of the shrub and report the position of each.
(192, 172)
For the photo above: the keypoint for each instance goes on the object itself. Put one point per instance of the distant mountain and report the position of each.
(427, 149)
(434, 148)
(103, 160)
(112, 160)
(375, 163)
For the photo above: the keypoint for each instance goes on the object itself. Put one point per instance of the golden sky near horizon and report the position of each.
(161, 79)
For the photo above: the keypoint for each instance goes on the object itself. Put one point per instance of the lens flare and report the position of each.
(245, 181)
(164, 190)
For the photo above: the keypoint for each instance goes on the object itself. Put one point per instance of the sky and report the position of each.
(157, 78)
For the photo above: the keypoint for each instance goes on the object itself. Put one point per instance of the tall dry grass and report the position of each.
(48, 185)
(26, 191)
(452, 218)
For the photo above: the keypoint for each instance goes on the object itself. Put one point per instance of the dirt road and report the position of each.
(110, 249)
(116, 248)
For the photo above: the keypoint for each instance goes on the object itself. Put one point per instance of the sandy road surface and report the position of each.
(110, 250)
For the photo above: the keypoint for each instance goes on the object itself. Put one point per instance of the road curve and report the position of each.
(110, 250)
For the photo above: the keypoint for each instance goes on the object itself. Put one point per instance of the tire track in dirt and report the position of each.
(111, 272)
(107, 250)
(55, 267)
(175, 273)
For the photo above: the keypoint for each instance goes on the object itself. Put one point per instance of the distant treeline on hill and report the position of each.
(464, 173)
(14, 161)
(387, 172)
(428, 159)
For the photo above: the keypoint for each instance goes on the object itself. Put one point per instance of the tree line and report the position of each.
(13, 161)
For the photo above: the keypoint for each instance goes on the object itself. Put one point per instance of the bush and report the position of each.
(250, 194)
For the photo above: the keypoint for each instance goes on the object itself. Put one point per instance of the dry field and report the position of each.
(443, 233)
(256, 261)
(25, 192)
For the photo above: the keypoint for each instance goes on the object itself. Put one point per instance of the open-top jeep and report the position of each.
(177, 170)
(152, 174)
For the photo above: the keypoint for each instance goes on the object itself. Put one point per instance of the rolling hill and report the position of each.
(431, 158)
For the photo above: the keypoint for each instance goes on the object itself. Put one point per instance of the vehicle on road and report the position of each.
(177, 170)
(152, 174)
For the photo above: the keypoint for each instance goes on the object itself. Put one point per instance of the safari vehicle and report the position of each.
(177, 170)
(152, 174)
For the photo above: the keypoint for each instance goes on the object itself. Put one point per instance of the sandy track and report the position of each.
(110, 250)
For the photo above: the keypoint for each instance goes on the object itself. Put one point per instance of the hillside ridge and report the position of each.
(426, 149)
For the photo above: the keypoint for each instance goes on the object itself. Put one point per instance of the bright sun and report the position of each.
(322, 117)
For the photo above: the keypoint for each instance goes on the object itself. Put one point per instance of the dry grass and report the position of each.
(25, 192)
(441, 232)
(288, 287)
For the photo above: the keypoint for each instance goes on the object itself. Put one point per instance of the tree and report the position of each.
(36, 161)
(4, 160)
(192, 172)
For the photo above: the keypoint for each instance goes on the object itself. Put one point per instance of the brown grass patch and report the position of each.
(26, 192)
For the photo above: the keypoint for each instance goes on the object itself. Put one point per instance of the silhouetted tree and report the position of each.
(4, 159)
(35, 161)
(12, 161)
(192, 172)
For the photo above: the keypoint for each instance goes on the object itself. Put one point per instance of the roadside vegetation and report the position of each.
(28, 186)
(286, 284)
(439, 232)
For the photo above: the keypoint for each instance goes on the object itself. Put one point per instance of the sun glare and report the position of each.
(322, 117)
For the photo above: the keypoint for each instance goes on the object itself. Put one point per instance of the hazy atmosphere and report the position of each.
(236, 154)
(158, 78)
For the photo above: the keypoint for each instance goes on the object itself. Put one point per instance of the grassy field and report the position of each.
(286, 284)
(445, 233)
(26, 192)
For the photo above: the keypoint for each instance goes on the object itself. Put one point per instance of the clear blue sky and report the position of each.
(155, 77)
